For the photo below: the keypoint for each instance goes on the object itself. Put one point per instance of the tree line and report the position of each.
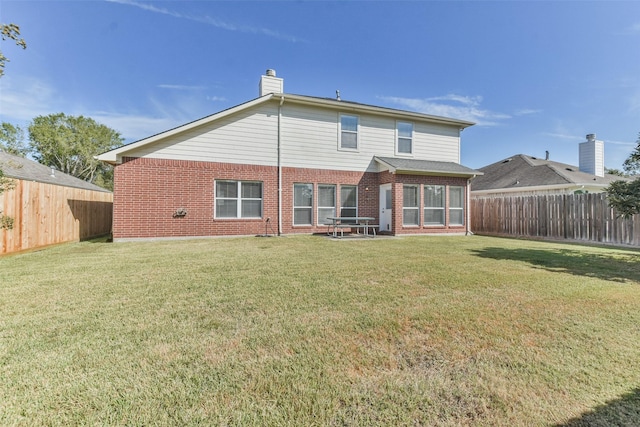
(67, 143)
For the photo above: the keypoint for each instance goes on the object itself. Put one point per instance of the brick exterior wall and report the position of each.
(148, 192)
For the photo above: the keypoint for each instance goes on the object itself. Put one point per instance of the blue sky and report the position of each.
(534, 76)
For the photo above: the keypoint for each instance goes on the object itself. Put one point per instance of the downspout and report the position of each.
(280, 166)
(468, 215)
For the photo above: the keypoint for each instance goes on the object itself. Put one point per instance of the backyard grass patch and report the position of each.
(312, 331)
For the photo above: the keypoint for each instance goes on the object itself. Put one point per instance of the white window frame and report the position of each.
(239, 199)
(412, 208)
(457, 208)
(351, 132)
(310, 207)
(435, 208)
(320, 207)
(398, 137)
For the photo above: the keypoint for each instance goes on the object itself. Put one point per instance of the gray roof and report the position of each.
(431, 167)
(21, 168)
(528, 171)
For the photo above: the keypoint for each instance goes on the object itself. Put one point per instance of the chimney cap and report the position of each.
(271, 72)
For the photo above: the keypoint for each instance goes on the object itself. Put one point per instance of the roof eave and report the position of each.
(571, 186)
(437, 173)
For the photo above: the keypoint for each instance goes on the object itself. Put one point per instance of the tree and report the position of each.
(624, 196)
(6, 184)
(632, 164)
(10, 31)
(12, 140)
(616, 172)
(69, 144)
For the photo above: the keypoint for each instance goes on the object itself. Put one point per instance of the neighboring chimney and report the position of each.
(546, 155)
(592, 156)
(269, 83)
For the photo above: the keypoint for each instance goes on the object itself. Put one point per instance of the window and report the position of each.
(348, 200)
(238, 199)
(404, 138)
(456, 205)
(326, 203)
(434, 204)
(410, 208)
(348, 132)
(302, 204)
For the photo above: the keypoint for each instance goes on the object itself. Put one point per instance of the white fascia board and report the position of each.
(115, 156)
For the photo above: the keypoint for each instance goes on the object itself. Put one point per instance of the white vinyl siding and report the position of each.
(247, 137)
(326, 203)
(410, 205)
(309, 137)
(434, 204)
(238, 199)
(302, 204)
(456, 205)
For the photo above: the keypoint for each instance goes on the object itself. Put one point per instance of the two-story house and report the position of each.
(285, 163)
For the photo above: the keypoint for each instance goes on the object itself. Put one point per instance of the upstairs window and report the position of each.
(404, 138)
(238, 199)
(348, 132)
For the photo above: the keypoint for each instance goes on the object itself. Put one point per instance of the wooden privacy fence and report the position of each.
(46, 214)
(578, 217)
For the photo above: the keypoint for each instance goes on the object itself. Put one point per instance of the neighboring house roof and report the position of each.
(412, 166)
(22, 168)
(115, 155)
(521, 173)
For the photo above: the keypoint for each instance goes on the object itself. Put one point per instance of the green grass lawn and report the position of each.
(307, 330)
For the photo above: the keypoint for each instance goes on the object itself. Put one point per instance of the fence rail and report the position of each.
(46, 214)
(577, 217)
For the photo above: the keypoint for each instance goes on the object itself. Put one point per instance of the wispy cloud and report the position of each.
(181, 87)
(23, 98)
(208, 20)
(134, 127)
(634, 29)
(452, 105)
(216, 98)
(569, 137)
(526, 112)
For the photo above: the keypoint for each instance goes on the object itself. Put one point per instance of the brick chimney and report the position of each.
(269, 83)
(592, 156)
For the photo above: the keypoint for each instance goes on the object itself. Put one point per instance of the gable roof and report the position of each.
(430, 167)
(21, 168)
(521, 171)
(114, 155)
